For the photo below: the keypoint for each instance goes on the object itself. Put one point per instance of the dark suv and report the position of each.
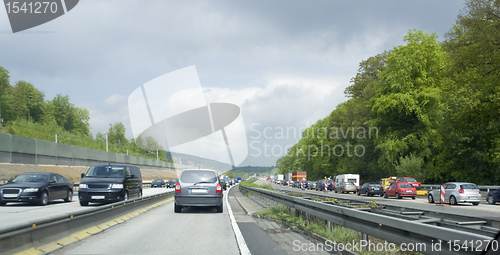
(105, 183)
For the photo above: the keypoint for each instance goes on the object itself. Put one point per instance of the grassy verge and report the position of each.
(338, 233)
(251, 183)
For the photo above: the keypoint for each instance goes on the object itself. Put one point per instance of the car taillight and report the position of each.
(461, 191)
(218, 189)
(369, 188)
(479, 192)
(177, 188)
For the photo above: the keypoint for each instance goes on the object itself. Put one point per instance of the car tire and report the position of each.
(177, 208)
(84, 203)
(382, 194)
(491, 200)
(335, 190)
(69, 196)
(430, 199)
(125, 197)
(44, 199)
(220, 208)
(385, 195)
(359, 193)
(140, 194)
(475, 203)
(453, 200)
(398, 196)
(413, 198)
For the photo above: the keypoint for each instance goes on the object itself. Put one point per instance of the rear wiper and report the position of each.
(201, 182)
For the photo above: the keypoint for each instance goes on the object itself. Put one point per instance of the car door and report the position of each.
(448, 191)
(391, 191)
(63, 184)
(363, 188)
(54, 187)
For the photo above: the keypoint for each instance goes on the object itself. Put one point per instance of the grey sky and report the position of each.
(289, 61)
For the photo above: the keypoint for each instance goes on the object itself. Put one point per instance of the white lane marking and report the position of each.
(242, 245)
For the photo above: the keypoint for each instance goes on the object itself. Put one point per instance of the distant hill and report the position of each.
(190, 160)
(246, 171)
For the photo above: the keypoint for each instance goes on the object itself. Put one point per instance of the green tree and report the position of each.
(407, 107)
(116, 134)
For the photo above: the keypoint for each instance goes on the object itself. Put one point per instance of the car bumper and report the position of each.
(408, 194)
(198, 200)
(22, 198)
(468, 199)
(101, 195)
(375, 192)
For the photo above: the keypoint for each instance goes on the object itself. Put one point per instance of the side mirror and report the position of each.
(52, 182)
(82, 175)
(10, 180)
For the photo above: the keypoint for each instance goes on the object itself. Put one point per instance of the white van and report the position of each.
(354, 178)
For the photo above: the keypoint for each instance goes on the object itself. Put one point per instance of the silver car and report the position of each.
(198, 187)
(456, 192)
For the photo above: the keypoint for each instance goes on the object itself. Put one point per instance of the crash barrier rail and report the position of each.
(23, 150)
(430, 238)
(42, 232)
(481, 187)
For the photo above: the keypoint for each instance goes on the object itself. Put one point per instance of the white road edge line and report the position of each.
(242, 245)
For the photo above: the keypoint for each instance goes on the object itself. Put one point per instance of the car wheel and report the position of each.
(453, 200)
(140, 194)
(359, 193)
(44, 199)
(335, 190)
(430, 199)
(398, 196)
(69, 197)
(2, 203)
(219, 208)
(84, 203)
(413, 198)
(177, 208)
(475, 203)
(491, 200)
(125, 198)
(385, 195)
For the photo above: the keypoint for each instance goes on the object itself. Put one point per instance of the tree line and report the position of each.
(25, 112)
(435, 105)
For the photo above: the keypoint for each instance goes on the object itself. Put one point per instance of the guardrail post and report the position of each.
(329, 226)
(365, 237)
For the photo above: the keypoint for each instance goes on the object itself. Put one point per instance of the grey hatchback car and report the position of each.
(456, 192)
(198, 187)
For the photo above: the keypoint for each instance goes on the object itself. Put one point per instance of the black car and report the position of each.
(39, 188)
(223, 183)
(158, 183)
(110, 183)
(370, 189)
(493, 197)
(171, 183)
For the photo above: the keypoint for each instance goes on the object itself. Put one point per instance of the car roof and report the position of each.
(112, 164)
(41, 173)
(460, 183)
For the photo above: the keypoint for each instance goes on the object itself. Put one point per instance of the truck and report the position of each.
(288, 176)
(386, 182)
(354, 178)
(281, 177)
(299, 176)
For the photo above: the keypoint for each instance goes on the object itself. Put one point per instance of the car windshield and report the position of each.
(106, 171)
(405, 186)
(411, 180)
(30, 178)
(193, 176)
(468, 186)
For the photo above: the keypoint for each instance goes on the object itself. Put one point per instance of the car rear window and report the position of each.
(376, 185)
(411, 180)
(468, 186)
(405, 186)
(193, 176)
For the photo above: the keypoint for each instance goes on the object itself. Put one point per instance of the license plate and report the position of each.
(9, 195)
(376, 189)
(199, 191)
(408, 191)
(97, 197)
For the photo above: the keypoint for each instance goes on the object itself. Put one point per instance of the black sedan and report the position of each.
(171, 183)
(38, 188)
(223, 183)
(370, 189)
(493, 197)
(158, 183)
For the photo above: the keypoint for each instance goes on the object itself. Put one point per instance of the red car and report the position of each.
(400, 189)
(411, 181)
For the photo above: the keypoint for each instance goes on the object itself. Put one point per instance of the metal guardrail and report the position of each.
(481, 187)
(386, 227)
(37, 233)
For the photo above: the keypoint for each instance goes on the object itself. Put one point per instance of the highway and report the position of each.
(15, 213)
(483, 210)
